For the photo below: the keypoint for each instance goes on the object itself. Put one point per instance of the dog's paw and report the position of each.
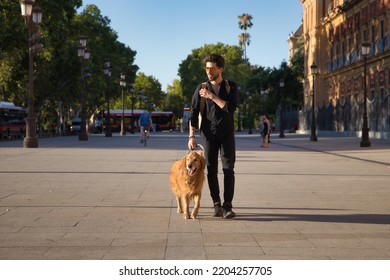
(186, 216)
(194, 214)
(179, 210)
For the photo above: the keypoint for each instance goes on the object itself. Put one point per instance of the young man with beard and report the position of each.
(216, 100)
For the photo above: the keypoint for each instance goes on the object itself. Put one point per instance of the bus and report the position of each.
(162, 120)
(12, 120)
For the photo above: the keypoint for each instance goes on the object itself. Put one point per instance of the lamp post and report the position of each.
(33, 17)
(239, 117)
(249, 114)
(123, 85)
(281, 134)
(132, 131)
(365, 139)
(107, 73)
(84, 55)
(313, 136)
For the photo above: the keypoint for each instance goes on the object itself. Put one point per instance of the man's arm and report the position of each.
(192, 139)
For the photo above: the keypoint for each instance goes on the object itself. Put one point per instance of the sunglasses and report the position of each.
(212, 69)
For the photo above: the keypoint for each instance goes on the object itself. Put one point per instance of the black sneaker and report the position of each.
(227, 211)
(228, 214)
(217, 210)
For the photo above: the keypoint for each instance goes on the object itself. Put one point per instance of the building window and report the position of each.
(372, 40)
(382, 29)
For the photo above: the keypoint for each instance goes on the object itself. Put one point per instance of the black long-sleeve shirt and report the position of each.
(216, 122)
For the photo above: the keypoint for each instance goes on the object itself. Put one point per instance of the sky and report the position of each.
(164, 32)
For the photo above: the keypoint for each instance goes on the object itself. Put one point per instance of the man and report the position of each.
(216, 101)
(144, 122)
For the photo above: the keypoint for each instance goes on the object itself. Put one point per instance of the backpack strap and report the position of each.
(203, 86)
(227, 86)
(201, 106)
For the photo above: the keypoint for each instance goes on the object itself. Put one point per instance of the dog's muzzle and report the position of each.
(191, 171)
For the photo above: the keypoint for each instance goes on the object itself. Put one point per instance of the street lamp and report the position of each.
(249, 114)
(281, 134)
(107, 73)
(132, 131)
(313, 136)
(33, 17)
(239, 117)
(83, 54)
(123, 85)
(365, 139)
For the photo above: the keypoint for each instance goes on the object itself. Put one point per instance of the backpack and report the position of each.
(202, 102)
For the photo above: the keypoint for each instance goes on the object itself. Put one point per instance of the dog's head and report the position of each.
(194, 162)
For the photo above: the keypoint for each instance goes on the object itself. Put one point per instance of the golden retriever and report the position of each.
(186, 180)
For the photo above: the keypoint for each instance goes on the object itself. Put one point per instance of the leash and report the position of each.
(198, 147)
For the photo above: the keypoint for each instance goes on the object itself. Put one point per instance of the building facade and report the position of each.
(334, 32)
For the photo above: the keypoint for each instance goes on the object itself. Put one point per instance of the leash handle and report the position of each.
(198, 147)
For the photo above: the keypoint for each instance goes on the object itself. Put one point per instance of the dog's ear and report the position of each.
(183, 165)
(184, 162)
(203, 162)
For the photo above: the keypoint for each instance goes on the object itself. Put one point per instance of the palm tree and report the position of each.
(244, 39)
(244, 22)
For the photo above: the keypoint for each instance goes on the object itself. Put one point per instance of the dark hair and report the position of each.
(215, 58)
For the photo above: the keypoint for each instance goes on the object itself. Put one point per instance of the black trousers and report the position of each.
(226, 147)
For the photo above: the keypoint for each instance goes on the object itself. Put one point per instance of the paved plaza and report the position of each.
(109, 198)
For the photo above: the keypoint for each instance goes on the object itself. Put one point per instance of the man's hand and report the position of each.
(206, 94)
(192, 143)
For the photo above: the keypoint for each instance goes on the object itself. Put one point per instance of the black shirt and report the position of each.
(216, 121)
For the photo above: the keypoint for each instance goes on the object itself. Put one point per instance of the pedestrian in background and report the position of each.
(266, 131)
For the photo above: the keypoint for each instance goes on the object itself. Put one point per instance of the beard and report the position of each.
(213, 77)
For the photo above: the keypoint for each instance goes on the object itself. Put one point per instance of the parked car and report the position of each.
(76, 125)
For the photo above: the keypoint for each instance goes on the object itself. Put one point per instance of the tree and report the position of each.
(13, 50)
(51, 66)
(57, 66)
(256, 85)
(244, 22)
(148, 90)
(57, 69)
(103, 44)
(173, 99)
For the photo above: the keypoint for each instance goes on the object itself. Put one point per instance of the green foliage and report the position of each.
(173, 99)
(57, 69)
(149, 92)
(103, 44)
(13, 50)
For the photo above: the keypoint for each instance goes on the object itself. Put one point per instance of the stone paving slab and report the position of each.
(109, 198)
